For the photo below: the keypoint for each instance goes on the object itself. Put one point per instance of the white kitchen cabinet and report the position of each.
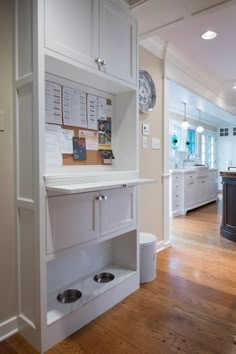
(175, 194)
(189, 190)
(117, 38)
(212, 185)
(95, 33)
(72, 220)
(226, 150)
(118, 210)
(201, 190)
(84, 217)
(71, 29)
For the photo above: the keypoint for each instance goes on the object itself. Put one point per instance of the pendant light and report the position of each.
(200, 128)
(185, 123)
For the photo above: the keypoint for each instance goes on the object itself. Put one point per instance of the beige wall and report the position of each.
(8, 296)
(151, 214)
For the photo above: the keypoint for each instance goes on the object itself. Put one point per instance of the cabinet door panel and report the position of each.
(71, 29)
(199, 191)
(72, 220)
(118, 211)
(118, 43)
(189, 195)
(204, 190)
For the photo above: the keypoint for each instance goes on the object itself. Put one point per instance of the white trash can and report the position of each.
(147, 244)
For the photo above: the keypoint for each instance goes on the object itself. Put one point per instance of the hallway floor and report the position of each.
(189, 309)
(201, 227)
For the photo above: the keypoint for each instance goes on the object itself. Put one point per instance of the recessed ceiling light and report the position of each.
(234, 87)
(209, 35)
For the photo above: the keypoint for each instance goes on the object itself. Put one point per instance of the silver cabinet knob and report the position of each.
(104, 197)
(99, 198)
(98, 61)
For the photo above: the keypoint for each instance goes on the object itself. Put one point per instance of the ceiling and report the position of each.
(216, 56)
(210, 113)
(181, 22)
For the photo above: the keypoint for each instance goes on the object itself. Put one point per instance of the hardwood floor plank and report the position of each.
(201, 299)
(211, 336)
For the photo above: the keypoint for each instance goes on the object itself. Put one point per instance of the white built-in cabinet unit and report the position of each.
(190, 189)
(74, 221)
(103, 37)
(226, 150)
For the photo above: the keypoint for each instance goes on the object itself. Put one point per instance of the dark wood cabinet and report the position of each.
(228, 226)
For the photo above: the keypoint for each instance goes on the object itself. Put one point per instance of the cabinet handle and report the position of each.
(98, 61)
(104, 197)
(99, 198)
(103, 63)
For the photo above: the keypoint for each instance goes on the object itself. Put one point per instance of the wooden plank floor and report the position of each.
(202, 226)
(189, 308)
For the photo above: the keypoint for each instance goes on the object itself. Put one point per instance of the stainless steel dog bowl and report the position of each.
(103, 277)
(69, 295)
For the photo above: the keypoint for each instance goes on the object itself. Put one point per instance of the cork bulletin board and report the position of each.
(93, 157)
(56, 115)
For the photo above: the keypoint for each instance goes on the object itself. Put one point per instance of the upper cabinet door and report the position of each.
(118, 42)
(118, 210)
(71, 29)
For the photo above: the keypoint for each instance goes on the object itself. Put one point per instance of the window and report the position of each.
(211, 151)
(203, 149)
(191, 140)
(224, 131)
(234, 131)
(208, 150)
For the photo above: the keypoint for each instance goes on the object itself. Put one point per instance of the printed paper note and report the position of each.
(53, 145)
(53, 112)
(67, 141)
(79, 148)
(104, 134)
(91, 139)
(74, 108)
(93, 111)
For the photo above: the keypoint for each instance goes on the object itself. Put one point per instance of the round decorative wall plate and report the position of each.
(147, 92)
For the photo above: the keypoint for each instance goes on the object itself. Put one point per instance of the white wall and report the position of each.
(8, 298)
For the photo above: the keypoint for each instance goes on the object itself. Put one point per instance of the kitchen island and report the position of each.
(228, 226)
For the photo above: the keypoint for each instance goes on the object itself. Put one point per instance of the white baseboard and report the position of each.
(162, 245)
(8, 328)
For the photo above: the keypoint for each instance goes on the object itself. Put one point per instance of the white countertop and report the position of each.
(191, 169)
(94, 186)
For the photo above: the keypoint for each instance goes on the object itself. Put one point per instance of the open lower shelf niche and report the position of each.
(89, 288)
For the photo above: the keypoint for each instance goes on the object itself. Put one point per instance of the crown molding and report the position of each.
(155, 46)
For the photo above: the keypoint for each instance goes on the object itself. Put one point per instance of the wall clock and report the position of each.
(147, 92)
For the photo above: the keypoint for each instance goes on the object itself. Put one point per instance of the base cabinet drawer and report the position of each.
(71, 220)
(176, 203)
